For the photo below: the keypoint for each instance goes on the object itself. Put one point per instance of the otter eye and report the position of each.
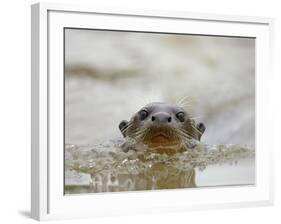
(143, 114)
(180, 116)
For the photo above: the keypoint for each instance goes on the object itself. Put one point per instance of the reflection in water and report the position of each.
(106, 168)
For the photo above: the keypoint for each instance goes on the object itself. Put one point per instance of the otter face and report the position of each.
(161, 124)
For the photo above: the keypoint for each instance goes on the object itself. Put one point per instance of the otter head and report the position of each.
(161, 125)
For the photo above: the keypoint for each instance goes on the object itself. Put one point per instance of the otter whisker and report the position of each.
(139, 134)
(199, 132)
(140, 137)
(180, 137)
(126, 128)
(184, 131)
(144, 136)
(183, 105)
(190, 135)
(195, 117)
(129, 125)
(182, 100)
(138, 131)
(183, 134)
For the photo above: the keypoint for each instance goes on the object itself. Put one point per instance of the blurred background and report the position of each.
(110, 75)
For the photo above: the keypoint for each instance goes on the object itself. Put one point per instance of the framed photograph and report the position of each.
(148, 111)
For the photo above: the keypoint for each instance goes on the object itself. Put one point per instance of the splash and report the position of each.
(109, 168)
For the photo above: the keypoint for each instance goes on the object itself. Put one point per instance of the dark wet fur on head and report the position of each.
(167, 121)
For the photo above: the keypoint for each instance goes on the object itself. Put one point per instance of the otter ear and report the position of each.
(122, 127)
(201, 127)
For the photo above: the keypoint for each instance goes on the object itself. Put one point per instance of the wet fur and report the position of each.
(178, 132)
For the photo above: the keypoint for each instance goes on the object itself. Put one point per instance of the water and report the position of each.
(106, 168)
(109, 76)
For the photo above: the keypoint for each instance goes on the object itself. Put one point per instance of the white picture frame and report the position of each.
(48, 201)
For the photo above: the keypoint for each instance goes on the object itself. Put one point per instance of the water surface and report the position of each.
(106, 168)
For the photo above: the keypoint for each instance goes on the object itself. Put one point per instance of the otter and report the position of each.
(163, 127)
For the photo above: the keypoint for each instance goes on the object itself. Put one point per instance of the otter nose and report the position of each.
(161, 117)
